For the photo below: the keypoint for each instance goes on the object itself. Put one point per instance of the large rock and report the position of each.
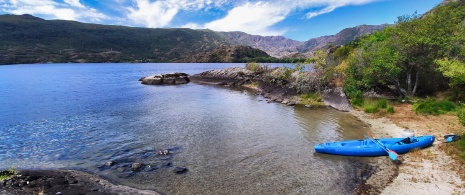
(337, 99)
(166, 79)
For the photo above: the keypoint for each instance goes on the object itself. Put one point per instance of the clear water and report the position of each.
(81, 116)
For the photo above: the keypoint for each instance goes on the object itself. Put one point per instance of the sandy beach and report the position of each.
(427, 171)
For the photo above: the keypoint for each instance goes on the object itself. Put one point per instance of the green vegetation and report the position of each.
(433, 107)
(376, 105)
(312, 99)
(7, 174)
(420, 54)
(252, 66)
(461, 115)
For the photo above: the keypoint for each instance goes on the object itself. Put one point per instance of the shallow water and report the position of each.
(232, 141)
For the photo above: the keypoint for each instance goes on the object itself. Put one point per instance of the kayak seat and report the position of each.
(407, 140)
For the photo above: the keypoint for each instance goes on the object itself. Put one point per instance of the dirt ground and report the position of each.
(427, 171)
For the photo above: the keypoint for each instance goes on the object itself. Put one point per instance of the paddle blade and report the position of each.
(449, 139)
(393, 155)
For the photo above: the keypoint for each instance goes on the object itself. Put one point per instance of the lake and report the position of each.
(81, 116)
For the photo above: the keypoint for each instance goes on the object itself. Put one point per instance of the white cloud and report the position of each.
(259, 17)
(159, 13)
(253, 18)
(74, 3)
(153, 14)
(250, 16)
(69, 10)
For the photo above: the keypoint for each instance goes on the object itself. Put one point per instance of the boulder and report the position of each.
(166, 79)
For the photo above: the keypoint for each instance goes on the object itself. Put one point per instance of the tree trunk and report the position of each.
(398, 87)
(417, 77)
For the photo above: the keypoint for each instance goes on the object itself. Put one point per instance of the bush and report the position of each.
(461, 115)
(382, 103)
(433, 107)
(390, 109)
(357, 101)
(253, 67)
(370, 107)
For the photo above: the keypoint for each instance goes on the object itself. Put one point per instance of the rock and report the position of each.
(163, 152)
(109, 163)
(291, 103)
(136, 166)
(337, 99)
(180, 170)
(166, 79)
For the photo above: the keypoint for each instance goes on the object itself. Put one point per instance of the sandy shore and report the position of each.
(427, 171)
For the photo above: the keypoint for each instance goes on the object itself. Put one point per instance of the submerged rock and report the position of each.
(180, 170)
(166, 79)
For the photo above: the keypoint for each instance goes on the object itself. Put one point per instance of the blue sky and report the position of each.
(294, 19)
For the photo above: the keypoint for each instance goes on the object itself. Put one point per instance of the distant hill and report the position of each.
(278, 46)
(29, 39)
(344, 36)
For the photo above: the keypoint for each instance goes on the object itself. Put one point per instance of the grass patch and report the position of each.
(312, 99)
(461, 115)
(256, 67)
(7, 174)
(370, 107)
(377, 105)
(431, 106)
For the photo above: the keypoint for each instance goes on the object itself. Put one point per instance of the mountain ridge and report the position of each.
(30, 39)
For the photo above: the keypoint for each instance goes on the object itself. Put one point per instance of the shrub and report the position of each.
(357, 101)
(461, 115)
(433, 107)
(371, 107)
(7, 174)
(390, 109)
(253, 67)
(382, 103)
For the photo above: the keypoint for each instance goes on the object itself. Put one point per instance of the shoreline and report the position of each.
(431, 173)
(426, 171)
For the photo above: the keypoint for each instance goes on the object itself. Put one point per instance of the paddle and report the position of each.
(393, 155)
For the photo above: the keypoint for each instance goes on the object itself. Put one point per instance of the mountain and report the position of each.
(29, 39)
(276, 46)
(341, 38)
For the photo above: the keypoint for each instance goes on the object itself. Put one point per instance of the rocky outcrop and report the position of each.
(166, 79)
(274, 90)
(337, 99)
(63, 182)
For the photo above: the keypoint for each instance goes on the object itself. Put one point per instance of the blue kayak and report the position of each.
(367, 147)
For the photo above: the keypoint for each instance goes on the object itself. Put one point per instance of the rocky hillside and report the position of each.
(341, 38)
(276, 46)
